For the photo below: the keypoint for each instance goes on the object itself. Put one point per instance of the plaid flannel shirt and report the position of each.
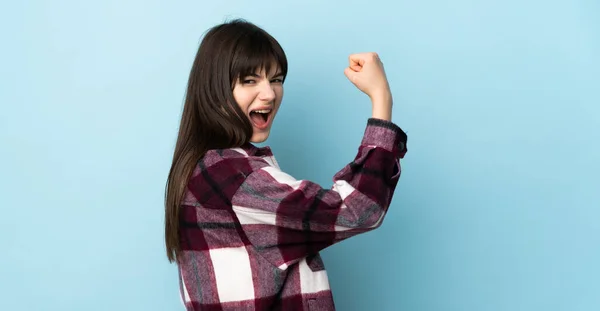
(251, 233)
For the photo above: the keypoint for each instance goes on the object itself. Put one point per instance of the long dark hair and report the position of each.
(211, 119)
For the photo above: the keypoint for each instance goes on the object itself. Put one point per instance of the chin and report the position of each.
(259, 138)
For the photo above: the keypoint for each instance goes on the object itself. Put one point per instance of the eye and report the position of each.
(248, 81)
(277, 80)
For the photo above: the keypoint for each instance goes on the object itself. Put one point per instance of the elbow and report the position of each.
(366, 219)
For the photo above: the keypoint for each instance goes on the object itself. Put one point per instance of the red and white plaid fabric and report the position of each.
(251, 233)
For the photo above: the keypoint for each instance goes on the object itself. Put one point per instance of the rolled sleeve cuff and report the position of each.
(386, 135)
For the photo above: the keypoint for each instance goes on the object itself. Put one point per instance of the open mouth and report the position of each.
(261, 118)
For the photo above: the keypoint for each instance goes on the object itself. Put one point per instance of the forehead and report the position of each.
(265, 67)
(272, 69)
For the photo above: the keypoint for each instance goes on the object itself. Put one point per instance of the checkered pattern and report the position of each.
(251, 234)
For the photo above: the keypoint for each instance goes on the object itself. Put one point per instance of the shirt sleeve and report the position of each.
(288, 219)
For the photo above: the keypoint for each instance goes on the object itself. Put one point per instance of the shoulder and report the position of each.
(219, 173)
(232, 161)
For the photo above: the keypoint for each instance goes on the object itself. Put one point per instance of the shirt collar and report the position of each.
(253, 150)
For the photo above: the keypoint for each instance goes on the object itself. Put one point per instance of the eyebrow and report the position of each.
(278, 74)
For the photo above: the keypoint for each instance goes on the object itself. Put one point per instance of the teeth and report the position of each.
(262, 111)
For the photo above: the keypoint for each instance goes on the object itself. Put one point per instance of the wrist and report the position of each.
(382, 105)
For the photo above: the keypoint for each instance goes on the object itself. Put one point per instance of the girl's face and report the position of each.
(259, 96)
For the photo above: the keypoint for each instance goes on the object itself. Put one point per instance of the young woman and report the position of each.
(244, 234)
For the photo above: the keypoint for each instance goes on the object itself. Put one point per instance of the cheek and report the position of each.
(279, 94)
(242, 98)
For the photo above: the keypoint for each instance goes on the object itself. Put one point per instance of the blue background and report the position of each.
(498, 206)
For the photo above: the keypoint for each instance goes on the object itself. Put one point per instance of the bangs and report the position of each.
(255, 52)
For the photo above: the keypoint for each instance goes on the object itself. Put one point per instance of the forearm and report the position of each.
(382, 106)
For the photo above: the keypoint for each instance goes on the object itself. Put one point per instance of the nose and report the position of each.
(266, 92)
